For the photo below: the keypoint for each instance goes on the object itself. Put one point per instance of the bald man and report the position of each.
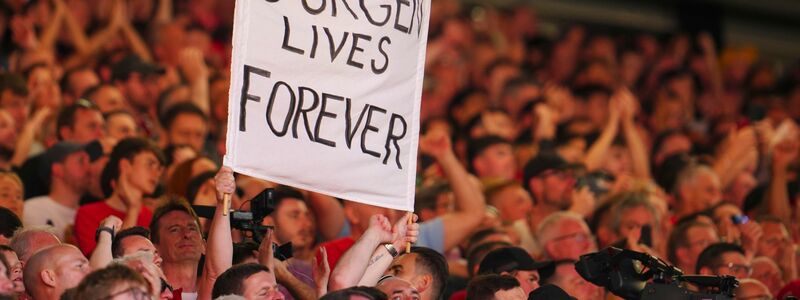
(26, 242)
(752, 289)
(53, 270)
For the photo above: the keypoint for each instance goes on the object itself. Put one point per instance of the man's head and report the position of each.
(11, 190)
(53, 270)
(493, 121)
(397, 288)
(120, 125)
(775, 237)
(107, 98)
(495, 287)
(723, 259)
(175, 231)
(686, 242)
(66, 165)
(491, 156)
(568, 279)
(81, 122)
(134, 240)
(251, 281)
(549, 181)
(186, 124)
(139, 161)
(113, 282)
(752, 289)
(630, 212)
(433, 200)
(564, 235)
(511, 200)
(697, 188)
(292, 219)
(769, 273)
(14, 267)
(8, 135)
(27, 241)
(516, 262)
(477, 253)
(136, 80)
(424, 268)
(76, 81)
(14, 97)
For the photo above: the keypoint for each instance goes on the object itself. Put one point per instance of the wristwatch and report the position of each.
(392, 250)
(101, 229)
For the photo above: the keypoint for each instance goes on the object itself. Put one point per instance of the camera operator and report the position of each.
(220, 255)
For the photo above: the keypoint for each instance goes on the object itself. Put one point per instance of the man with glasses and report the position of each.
(686, 242)
(723, 259)
(564, 235)
(114, 282)
(551, 182)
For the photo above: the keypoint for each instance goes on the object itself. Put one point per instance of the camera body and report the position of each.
(635, 275)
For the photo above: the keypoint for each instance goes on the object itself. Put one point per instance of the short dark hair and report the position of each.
(231, 282)
(679, 237)
(126, 149)
(430, 261)
(14, 83)
(116, 245)
(66, 117)
(368, 292)
(174, 204)
(711, 256)
(283, 192)
(427, 196)
(195, 183)
(484, 286)
(243, 251)
(100, 283)
(179, 109)
(9, 222)
(476, 147)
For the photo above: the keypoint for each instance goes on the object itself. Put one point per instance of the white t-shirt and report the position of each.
(43, 210)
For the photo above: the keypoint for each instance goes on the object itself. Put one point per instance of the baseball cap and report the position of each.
(510, 259)
(56, 154)
(544, 162)
(133, 64)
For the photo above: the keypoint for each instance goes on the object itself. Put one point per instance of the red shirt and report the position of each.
(335, 249)
(89, 216)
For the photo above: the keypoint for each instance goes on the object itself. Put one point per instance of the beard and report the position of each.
(6, 153)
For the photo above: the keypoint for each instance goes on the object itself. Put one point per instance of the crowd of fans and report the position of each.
(534, 150)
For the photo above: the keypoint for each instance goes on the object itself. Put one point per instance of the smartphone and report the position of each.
(740, 219)
(646, 237)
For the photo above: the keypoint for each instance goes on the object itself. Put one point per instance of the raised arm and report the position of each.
(596, 154)
(28, 135)
(777, 201)
(219, 253)
(194, 69)
(381, 259)
(633, 138)
(470, 204)
(352, 265)
(298, 289)
(102, 255)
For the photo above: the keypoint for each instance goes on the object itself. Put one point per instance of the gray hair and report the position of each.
(544, 232)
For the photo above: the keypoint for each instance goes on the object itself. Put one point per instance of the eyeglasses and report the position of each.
(737, 268)
(137, 293)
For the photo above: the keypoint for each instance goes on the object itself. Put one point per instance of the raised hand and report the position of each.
(112, 222)
(193, 65)
(224, 182)
(583, 202)
(436, 143)
(403, 233)
(321, 271)
(380, 228)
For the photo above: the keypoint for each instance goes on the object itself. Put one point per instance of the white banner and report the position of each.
(325, 96)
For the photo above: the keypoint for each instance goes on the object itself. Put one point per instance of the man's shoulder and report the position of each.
(39, 201)
(99, 206)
